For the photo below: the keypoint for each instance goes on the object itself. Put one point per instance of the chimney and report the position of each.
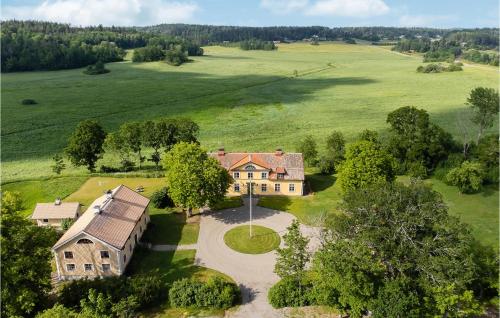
(58, 201)
(278, 152)
(221, 152)
(97, 209)
(109, 194)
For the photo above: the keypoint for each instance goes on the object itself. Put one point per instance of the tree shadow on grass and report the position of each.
(489, 190)
(319, 182)
(165, 228)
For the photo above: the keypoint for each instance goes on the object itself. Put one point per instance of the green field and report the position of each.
(244, 100)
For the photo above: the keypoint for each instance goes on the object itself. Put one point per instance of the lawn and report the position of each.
(45, 190)
(311, 209)
(263, 239)
(96, 186)
(170, 227)
(244, 100)
(479, 210)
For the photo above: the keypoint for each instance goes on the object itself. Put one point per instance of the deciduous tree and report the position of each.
(194, 180)
(25, 257)
(307, 147)
(85, 144)
(484, 103)
(366, 163)
(468, 177)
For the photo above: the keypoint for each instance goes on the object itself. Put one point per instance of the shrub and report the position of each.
(215, 293)
(149, 290)
(71, 293)
(326, 165)
(183, 293)
(96, 69)
(289, 293)
(66, 223)
(28, 101)
(468, 177)
(417, 170)
(161, 199)
(453, 68)
(127, 165)
(176, 56)
(108, 169)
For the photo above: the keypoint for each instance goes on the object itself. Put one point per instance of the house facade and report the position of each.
(277, 173)
(53, 214)
(102, 241)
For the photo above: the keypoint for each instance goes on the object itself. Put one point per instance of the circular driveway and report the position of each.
(253, 273)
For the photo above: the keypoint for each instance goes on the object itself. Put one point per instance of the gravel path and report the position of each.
(253, 273)
(163, 248)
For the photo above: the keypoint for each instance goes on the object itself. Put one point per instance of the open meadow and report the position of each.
(243, 100)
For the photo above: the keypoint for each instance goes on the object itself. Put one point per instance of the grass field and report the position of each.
(244, 100)
(47, 190)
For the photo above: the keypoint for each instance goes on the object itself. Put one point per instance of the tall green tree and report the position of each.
(293, 258)
(59, 164)
(308, 148)
(152, 137)
(335, 148)
(366, 163)
(115, 142)
(132, 135)
(85, 145)
(414, 139)
(194, 179)
(393, 251)
(25, 257)
(484, 103)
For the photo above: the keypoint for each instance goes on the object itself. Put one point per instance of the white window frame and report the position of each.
(88, 270)
(250, 175)
(106, 270)
(291, 187)
(236, 175)
(72, 255)
(277, 187)
(236, 187)
(70, 270)
(263, 175)
(100, 252)
(263, 187)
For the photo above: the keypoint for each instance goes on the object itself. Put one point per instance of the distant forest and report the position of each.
(36, 45)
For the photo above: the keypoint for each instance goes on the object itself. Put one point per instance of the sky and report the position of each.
(330, 13)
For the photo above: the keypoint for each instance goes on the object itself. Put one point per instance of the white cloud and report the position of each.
(348, 8)
(283, 6)
(425, 20)
(106, 12)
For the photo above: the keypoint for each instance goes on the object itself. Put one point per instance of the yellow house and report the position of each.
(277, 173)
(101, 242)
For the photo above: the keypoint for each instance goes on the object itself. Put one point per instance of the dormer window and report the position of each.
(281, 176)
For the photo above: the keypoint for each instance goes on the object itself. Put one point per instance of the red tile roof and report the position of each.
(291, 164)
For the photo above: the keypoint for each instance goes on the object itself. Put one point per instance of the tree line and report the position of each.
(256, 44)
(454, 44)
(88, 143)
(34, 45)
(213, 34)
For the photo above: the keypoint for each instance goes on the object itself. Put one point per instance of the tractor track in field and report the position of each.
(176, 101)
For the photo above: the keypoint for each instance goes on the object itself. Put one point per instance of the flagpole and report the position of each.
(251, 207)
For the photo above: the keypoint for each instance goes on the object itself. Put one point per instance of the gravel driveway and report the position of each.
(253, 273)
